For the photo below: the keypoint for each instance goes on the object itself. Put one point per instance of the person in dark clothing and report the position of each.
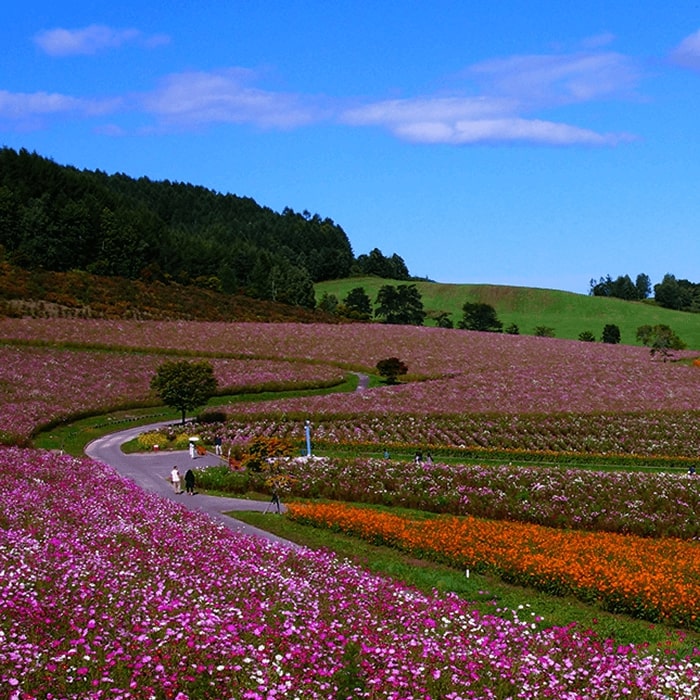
(189, 482)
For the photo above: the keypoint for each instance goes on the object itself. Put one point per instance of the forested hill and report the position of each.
(60, 218)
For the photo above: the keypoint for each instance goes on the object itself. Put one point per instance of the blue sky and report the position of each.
(539, 143)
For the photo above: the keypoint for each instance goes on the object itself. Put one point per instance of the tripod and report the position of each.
(275, 500)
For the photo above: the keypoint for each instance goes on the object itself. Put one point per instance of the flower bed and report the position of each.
(645, 504)
(108, 592)
(658, 580)
(471, 372)
(624, 436)
(41, 385)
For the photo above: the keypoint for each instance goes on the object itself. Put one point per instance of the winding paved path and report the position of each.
(151, 471)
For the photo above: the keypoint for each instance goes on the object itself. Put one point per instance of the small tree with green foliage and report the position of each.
(512, 329)
(357, 304)
(586, 337)
(544, 332)
(328, 303)
(478, 316)
(184, 385)
(400, 305)
(442, 319)
(391, 368)
(611, 334)
(660, 338)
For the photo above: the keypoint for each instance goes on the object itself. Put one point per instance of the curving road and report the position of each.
(151, 472)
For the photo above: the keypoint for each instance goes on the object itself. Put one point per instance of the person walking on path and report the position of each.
(175, 479)
(189, 482)
(217, 445)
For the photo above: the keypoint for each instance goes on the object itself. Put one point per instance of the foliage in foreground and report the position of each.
(149, 616)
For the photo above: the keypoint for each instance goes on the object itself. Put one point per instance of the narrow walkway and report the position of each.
(363, 382)
(151, 472)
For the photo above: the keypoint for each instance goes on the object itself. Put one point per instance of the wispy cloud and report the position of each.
(30, 109)
(505, 104)
(92, 39)
(462, 122)
(195, 99)
(511, 89)
(552, 80)
(687, 53)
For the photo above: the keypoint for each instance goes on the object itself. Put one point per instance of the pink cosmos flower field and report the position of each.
(462, 371)
(108, 592)
(42, 384)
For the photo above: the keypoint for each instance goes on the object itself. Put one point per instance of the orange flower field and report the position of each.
(654, 579)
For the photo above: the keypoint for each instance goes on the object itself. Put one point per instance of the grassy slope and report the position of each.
(567, 313)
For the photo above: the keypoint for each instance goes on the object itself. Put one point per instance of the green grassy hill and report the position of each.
(567, 313)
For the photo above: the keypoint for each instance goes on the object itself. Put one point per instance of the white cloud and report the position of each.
(31, 111)
(527, 130)
(200, 98)
(512, 93)
(19, 105)
(469, 121)
(687, 53)
(512, 88)
(426, 109)
(90, 40)
(558, 79)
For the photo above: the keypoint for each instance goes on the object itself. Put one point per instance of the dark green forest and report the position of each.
(59, 218)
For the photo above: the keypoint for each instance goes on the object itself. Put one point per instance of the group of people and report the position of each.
(176, 481)
(201, 450)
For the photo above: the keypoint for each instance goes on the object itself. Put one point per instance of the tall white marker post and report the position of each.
(307, 431)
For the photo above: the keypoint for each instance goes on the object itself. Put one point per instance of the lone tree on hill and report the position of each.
(357, 304)
(400, 305)
(184, 385)
(611, 334)
(479, 316)
(661, 339)
(391, 368)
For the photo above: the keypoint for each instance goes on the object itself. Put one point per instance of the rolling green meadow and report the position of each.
(567, 313)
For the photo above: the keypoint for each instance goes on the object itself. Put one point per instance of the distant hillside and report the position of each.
(43, 294)
(567, 313)
(59, 218)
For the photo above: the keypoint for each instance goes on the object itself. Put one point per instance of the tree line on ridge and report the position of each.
(671, 293)
(59, 218)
